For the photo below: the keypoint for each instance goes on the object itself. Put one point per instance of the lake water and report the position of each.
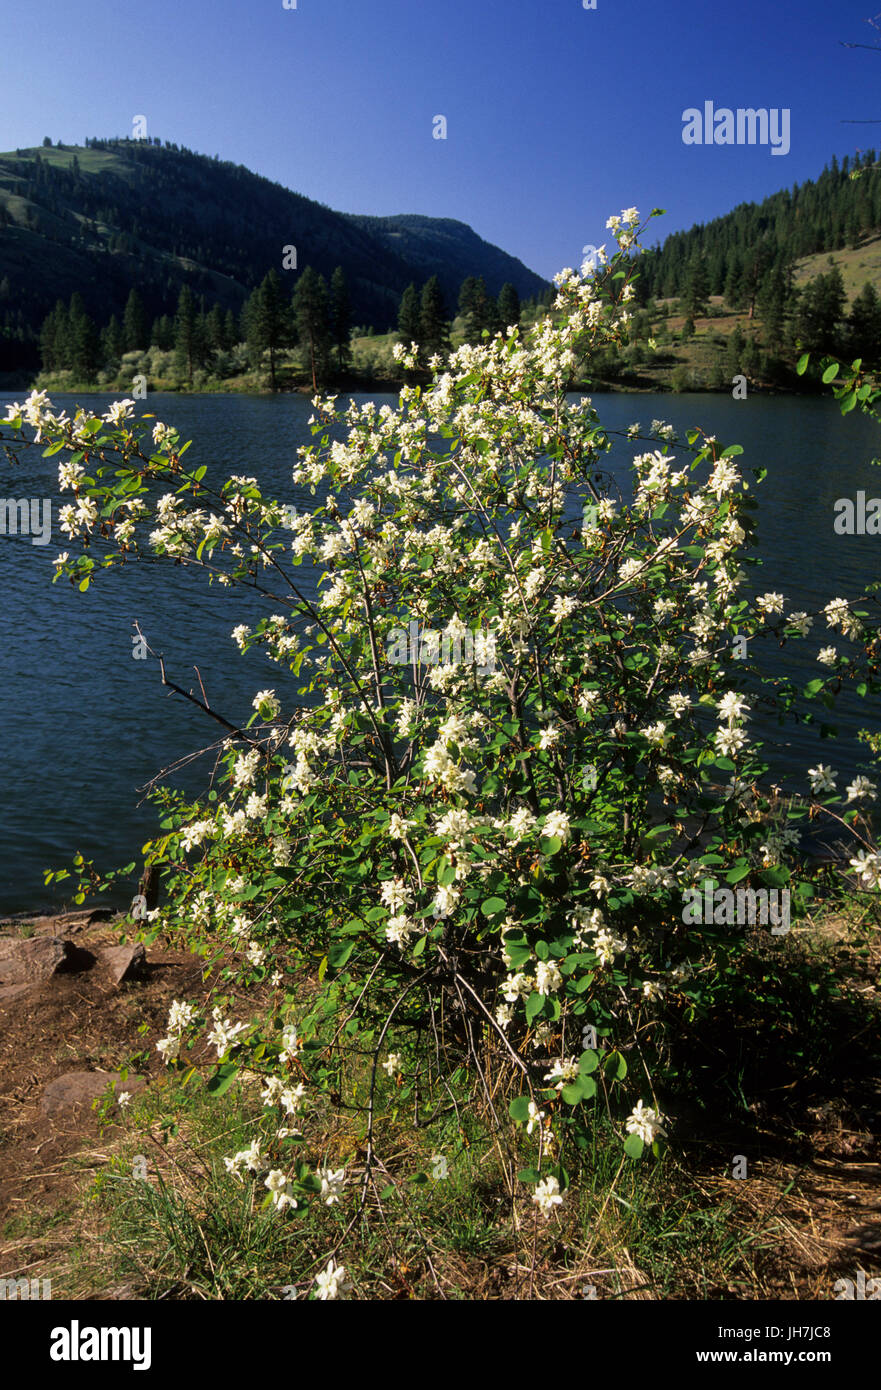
(85, 726)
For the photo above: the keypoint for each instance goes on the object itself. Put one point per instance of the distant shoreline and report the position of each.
(11, 382)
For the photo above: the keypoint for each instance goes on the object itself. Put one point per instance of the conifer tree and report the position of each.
(434, 328)
(340, 317)
(185, 332)
(134, 324)
(310, 316)
(509, 306)
(408, 315)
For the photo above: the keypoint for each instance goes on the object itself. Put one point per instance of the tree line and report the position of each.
(316, 319)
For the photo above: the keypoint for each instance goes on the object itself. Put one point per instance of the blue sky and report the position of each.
(556, 115)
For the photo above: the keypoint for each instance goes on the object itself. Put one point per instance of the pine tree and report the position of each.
(733, 291)
(697, 288)
(111, 341)
(268, 322)
(83, 339)
(477, 308)
(734, 351)
(310, 316)
(820, 311)
(434, 328)
(185, 335)
(214, 330)
(230, 330)
(864, 326)
(134, 324)
(509, 306)
(162, 333)
(340, 317)
(55, 339)
(408, 315)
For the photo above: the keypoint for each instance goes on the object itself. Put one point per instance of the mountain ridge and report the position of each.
(113, 214)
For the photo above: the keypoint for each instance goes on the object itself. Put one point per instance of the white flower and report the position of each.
(398, 930)
(168, 1048)
(392, 1064)
(289, 1044)
(520, 824)
(837, 611)
(445, 901)
(535, 1117)
(245, 1158)
(730, 741)
(645, 1122)
(180, 1015)
(557, 825)
(331, 1182)
(802, 622)
(608, 946)
(123, 1099)
(280, 1186)
(732, 706)
(547, 1196)
(562, 1072)
(394, 893)
(267, 704)
(291, 1097)
(398, 827)
(867, 867)
(224, 1034)
(770, 603)
(827, 656)
(516, 987)
(547, 977)
(549, 737)
(333, 1282)
(822, 778)
(860, 787)
(561, 607)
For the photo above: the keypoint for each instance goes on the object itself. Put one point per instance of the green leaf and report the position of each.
(222, 1079)
(339, 953)
(802, 364)
(615, 1066)
(633, 1146)
(491, 907)
(550, 844)
(534, 1005)
(518, 1109)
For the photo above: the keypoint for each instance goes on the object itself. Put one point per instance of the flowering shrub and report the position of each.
(493, 852)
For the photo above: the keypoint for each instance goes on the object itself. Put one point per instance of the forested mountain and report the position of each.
(742, 249)
(116, 214)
